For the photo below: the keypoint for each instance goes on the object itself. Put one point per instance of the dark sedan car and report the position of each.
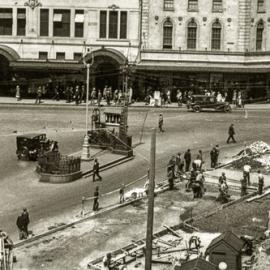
(202, 102)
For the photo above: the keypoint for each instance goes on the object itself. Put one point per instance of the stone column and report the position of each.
(50, 22)
(14, 21)
(72, 22)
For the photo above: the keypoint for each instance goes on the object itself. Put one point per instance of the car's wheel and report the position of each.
(24, 154)
(227, 109)
(196, 108)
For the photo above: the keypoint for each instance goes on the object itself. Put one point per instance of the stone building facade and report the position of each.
(219, 45)
(45, 41)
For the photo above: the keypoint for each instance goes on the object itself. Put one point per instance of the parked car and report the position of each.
(29, 146)
(201, 102)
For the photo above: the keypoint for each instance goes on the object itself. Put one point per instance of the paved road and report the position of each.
(19, 186)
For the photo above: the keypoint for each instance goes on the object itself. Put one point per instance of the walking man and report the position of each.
(160, 123)
(260, 183)
(187, 158)
(96, 199)
(231, 133)
(96, 170)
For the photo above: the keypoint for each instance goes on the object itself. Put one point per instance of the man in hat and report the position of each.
(160, 123)
(22, 224)
(96, 170)
(231, 133)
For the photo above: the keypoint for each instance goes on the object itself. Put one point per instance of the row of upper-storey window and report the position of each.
(113, 24)
(216, 35)
(217, 5)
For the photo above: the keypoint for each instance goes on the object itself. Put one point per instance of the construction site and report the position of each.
(187, 232)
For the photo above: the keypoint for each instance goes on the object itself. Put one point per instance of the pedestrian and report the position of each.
(39, 94)
(231, 133)
(96, 199)
(96, 170)
(18, 93)
(216, 155)
(179, 98)
(187, 158)
(200, 155)
(22, 223)
(77, 95)
(246, 173)
(82, 94)
(93, 96)
(122, 193)
(243, 186)
(179, 165)
(99, 98)
(260, 183)
(171, 179)
(160, 123)
(222, 178)
(171, 166)
(213, 157)
(107, 261)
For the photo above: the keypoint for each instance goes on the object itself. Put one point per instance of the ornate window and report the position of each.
(192, 5)
(216, 36)
(168, 5)
(260, 6)
(217, 6)
(191, 35)
(167, 34)
(113, 24)
(259, 36)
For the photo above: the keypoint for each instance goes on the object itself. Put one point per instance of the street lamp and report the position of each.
(86, 146)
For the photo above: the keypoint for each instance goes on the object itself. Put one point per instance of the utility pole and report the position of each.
(150, 212)
(86, 146)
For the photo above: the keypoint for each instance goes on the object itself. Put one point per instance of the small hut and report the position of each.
(226, 249)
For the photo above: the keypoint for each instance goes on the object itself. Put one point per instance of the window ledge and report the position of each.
(217, 10)
(113, 39)
(193, 10)
(168, 9)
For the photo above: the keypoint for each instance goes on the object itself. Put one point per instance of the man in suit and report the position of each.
(96, 170)
(187, 158)
(231, 133)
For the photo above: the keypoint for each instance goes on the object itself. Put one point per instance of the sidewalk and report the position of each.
(50, 102)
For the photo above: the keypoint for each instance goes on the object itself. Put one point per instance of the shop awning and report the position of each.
(44, 65)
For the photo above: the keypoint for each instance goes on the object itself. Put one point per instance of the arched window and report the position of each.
(259, 36)
(167, 34)
(191, 35)
(216, 36)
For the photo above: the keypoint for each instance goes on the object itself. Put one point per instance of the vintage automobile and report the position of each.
(201, 102)
(29, 146)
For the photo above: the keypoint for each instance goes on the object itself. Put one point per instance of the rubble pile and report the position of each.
(265, 161)
(239, 163)
(259, 147)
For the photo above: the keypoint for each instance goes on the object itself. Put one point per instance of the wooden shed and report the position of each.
(227, 249)
(196, 264)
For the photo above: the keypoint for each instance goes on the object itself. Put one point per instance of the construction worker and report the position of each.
(260, 183)
(96, 199)
(96, 170)
(243, 186)
(246, 173)
(22, 224)
(122, 193)
(107, 260)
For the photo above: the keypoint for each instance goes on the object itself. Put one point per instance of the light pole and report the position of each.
(86, 146)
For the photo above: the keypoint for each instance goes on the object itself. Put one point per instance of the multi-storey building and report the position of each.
(45, 41)
(212, 44)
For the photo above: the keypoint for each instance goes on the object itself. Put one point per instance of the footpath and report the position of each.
(11, 101)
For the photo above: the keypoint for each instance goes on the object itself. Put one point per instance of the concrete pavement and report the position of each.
(50, 102)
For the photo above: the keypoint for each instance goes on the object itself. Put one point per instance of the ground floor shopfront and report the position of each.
(108, 67)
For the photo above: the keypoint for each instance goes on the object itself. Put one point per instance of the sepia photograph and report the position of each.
(135, 134)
